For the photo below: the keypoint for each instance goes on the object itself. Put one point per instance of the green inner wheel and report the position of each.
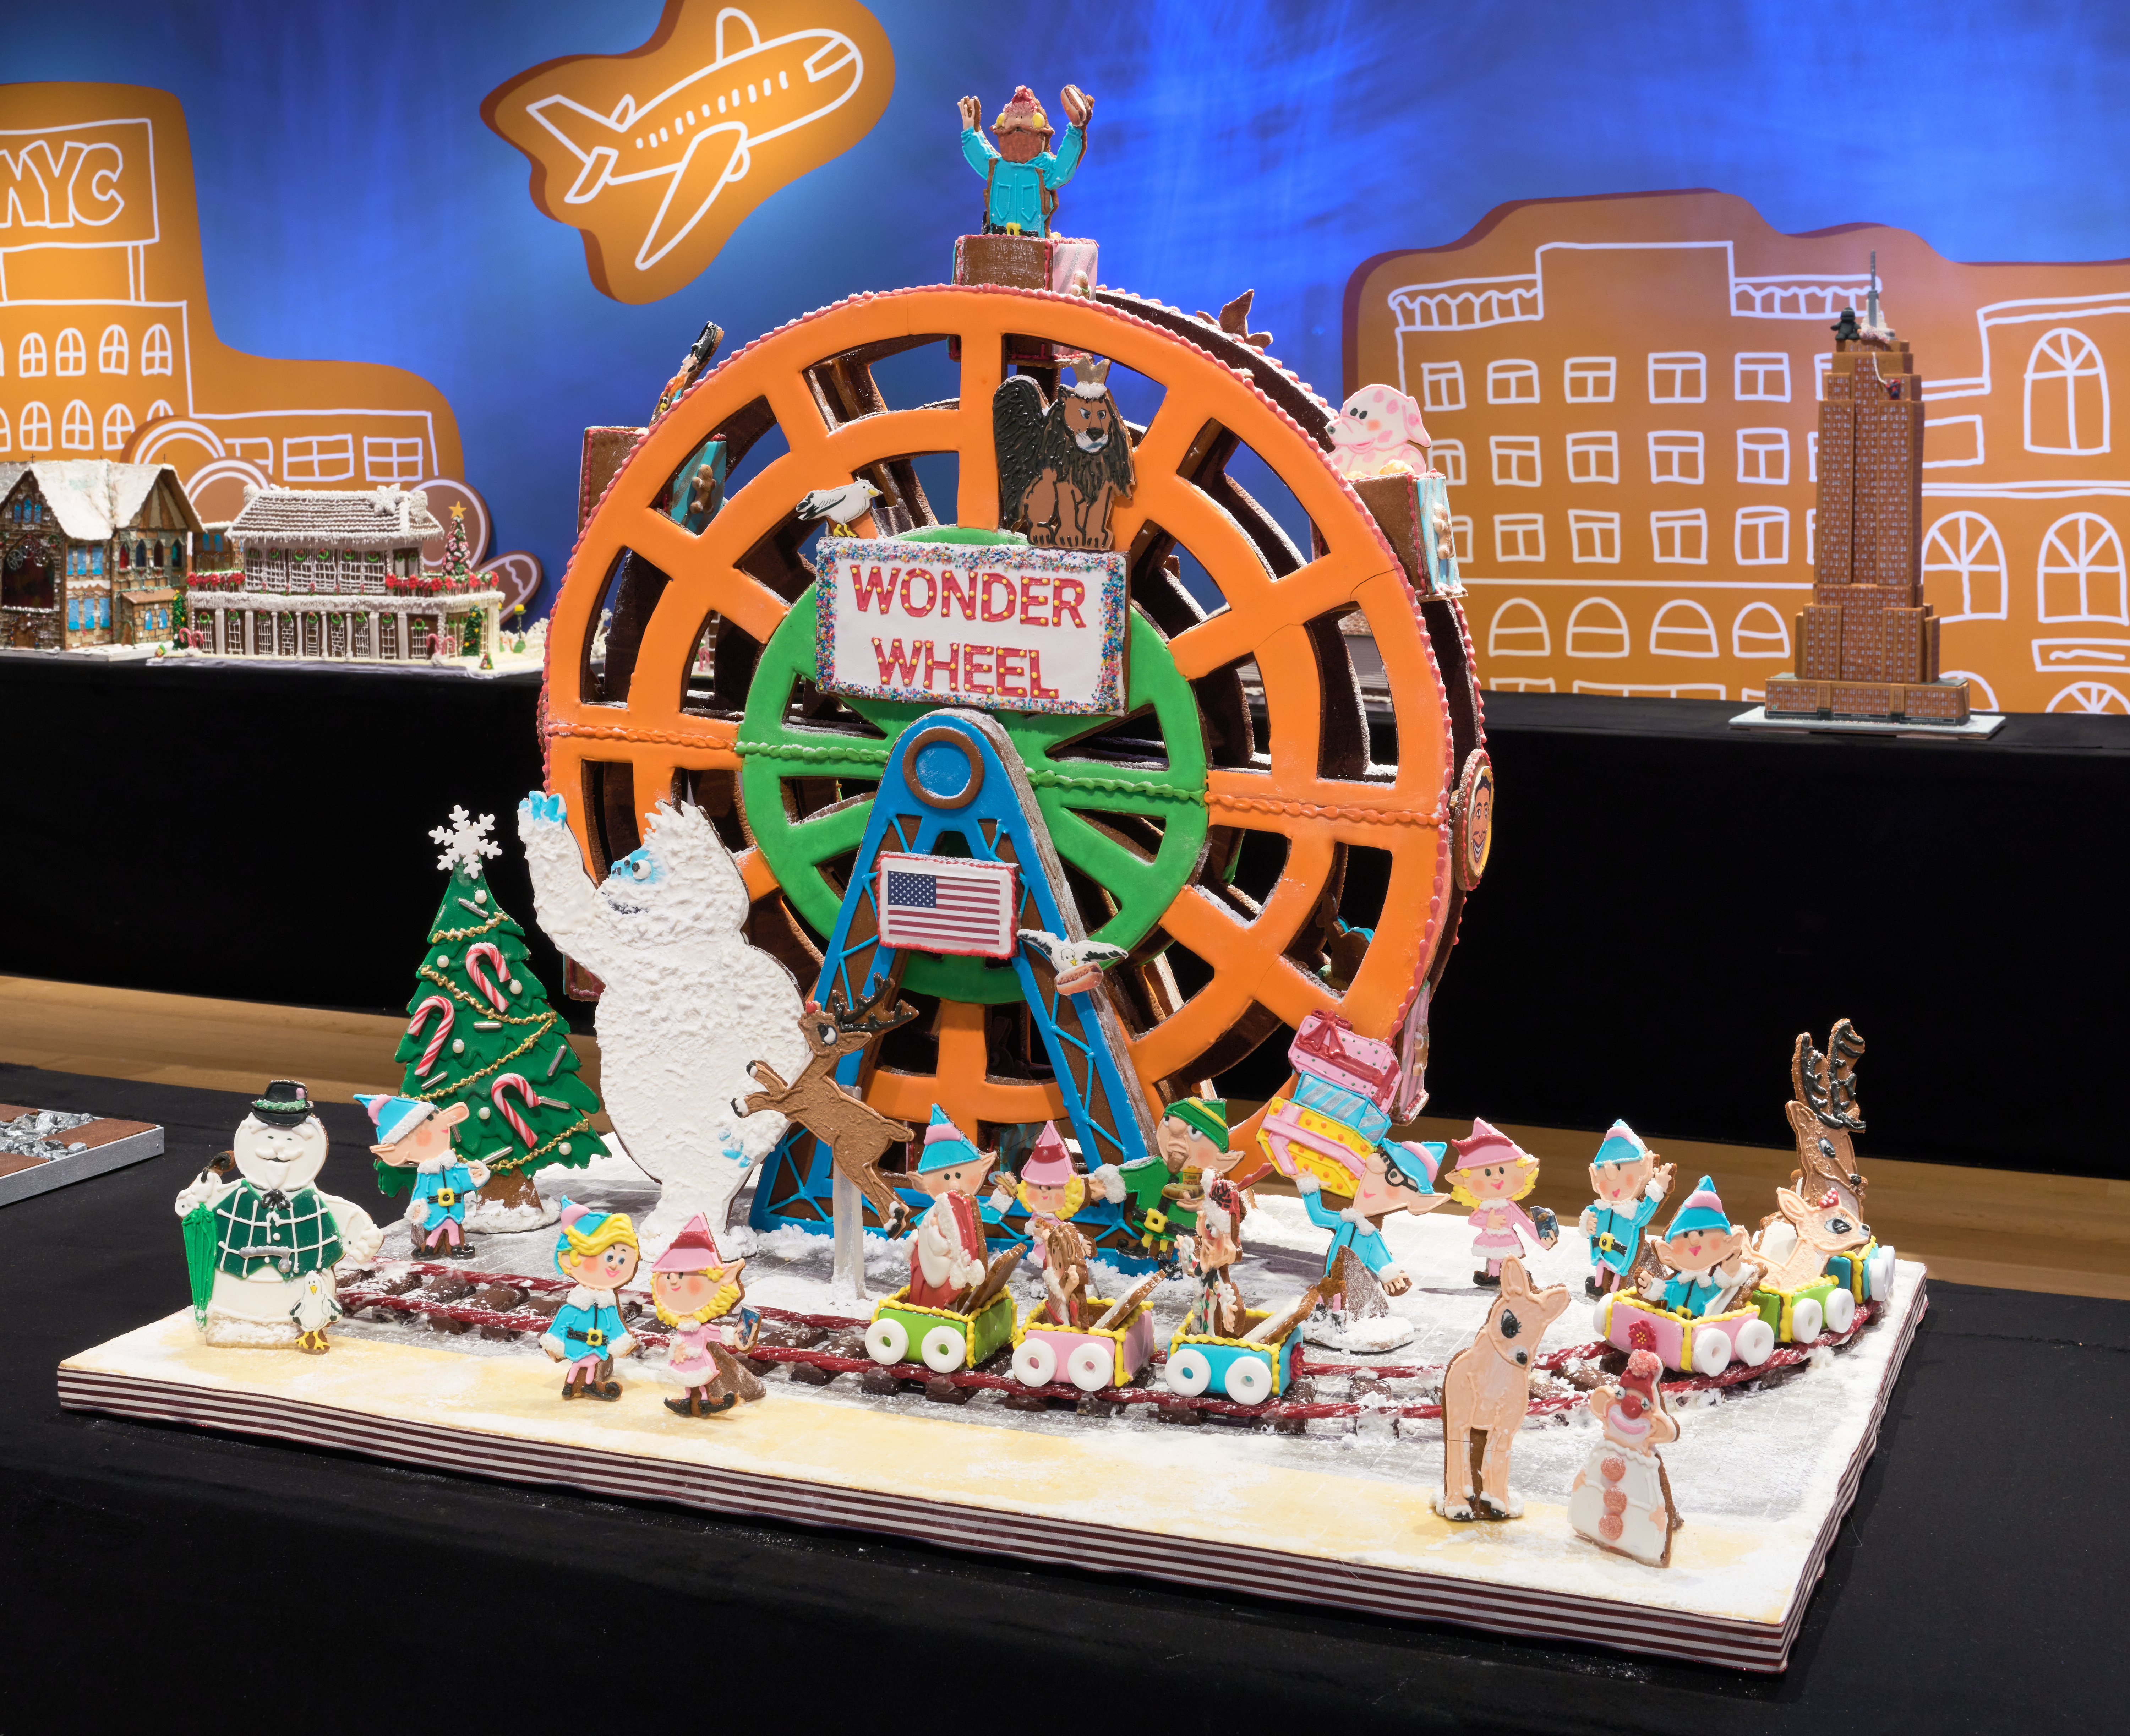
(1142, 885)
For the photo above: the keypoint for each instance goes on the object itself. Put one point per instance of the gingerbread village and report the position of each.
(916, 852)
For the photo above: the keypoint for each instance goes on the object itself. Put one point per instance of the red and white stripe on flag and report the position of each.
(947, 904)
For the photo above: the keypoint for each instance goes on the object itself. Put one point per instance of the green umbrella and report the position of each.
(200, 1249)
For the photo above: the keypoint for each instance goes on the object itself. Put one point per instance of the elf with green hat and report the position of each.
(1159, 1204)
(1702, 1257)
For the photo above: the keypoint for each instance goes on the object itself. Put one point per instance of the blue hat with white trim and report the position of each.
(1702, 1211)
(946, 1147)
(394, 1118)
(1622, 1145)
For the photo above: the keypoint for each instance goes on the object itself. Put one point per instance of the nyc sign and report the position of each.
(1001, 627)
(657, 155)
(89, 184)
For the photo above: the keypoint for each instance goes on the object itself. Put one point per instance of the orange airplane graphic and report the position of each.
(658, 182)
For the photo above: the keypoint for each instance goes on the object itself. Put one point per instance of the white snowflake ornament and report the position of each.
(466, 841)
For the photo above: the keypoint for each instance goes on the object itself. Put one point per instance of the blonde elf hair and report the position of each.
(719, 1305)
(1465, 1196)
(615, 1228)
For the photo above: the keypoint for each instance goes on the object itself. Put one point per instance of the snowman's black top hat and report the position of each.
(286, 1104)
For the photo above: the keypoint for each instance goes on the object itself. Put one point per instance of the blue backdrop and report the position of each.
(353, 205)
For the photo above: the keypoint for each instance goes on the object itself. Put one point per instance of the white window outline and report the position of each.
(1584, 452)
(1694, 638)
(1695, 520)
(159, 409)
(117, 427)
(1509, 453)
(1585, 371)
(1759, 364)
(2079, 564)
(30, 356)
(155, 350)
(1460, 537)
(1506, 632)
(1603, 530)
(1673, 444)
(1604, 632)
(317, 457)
(1526, 529)
(387, 458)
(1758, 445)
(2070, 357)
(114, 355)
(1750, 530)
(76, 428)
(1441, 386)
(1811, 536)
(1953, 422)
(1749, 641)
(1508, 379)
(1679, 364)
(1521, 683)
(1966, 545)
(2097, 697)
(1811, 455)
(1824, 366)
(6, 433)
(1449, 458)
(69, 354)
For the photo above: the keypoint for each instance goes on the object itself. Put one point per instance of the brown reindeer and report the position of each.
(856, 1133)
(1485, 1390)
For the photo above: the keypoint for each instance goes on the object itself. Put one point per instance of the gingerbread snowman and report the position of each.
(1621, 1499)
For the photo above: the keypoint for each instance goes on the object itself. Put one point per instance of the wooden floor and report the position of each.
(2063, 1234)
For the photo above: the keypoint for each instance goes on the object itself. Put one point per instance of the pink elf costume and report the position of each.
(1497, 1218)
(699, 1350)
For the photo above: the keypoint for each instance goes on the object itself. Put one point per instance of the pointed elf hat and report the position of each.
(394, 1118)
(1702, 1211)
(1203, 1115)
(694, 1250)
(946, 1147)
(579, 1220)
(1487, 1145)
(1049, 1164)
(1622, 1145)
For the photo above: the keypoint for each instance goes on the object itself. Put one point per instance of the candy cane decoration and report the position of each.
(436, 1003)
(473, 958)
(529, 1094)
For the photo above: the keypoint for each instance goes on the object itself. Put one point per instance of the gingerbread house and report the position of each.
(322, 574)
(76, 536)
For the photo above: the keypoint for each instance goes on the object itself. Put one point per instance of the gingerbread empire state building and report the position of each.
(1867, 647)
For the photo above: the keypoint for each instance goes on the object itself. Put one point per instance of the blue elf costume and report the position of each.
(1684, 1292)
(1616, 1235)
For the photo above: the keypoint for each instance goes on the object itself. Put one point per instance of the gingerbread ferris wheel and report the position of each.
(1240, 718)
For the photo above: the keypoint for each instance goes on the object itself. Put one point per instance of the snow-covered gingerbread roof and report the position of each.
(302, 518)
(93, 498)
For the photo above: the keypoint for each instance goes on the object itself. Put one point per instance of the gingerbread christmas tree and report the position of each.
(479, 1031)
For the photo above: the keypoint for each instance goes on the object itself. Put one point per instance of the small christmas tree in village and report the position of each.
(479, 1031)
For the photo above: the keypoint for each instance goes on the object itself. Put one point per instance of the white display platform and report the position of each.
(1761, 1476)
(1979, 726)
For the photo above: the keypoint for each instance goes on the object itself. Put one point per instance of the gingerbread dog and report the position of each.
(1485, 1390)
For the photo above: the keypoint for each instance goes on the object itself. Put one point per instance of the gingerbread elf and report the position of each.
(699, 1296)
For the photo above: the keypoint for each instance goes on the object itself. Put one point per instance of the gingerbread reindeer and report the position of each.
(856, 1134)
(1820, 1213)
(1485, 1390)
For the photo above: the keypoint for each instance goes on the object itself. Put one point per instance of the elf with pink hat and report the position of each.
(1051, 1190)
(695, 1290)
(1491, 1173)
(947, 1254)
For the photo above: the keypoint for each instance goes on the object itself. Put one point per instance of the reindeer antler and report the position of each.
(1827, 1084)
(879, 1011)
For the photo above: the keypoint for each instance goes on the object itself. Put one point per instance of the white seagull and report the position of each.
(1079, 964)
(838, 505)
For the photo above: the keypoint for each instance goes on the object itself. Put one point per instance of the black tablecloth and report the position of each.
(1977, 1585)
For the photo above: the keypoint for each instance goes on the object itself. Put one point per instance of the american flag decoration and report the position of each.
(947, 904)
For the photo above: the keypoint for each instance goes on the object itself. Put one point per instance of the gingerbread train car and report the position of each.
(1090, 1357)
(943, 1341)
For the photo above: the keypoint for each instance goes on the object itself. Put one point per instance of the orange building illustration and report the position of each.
(107, 347)
(1625, 393)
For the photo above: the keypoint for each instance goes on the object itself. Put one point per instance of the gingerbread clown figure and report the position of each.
(947, 1249)
(1703, 1258)
(1631, 1184)
(1492, 1172)
(414, 1134)
(264, 1250)
(1621, 1499)
(1021, 172)
(597, 1252)
(1051, 1190)
(698, 1297)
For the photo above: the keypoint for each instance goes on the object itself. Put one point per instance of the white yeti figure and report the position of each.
(687, 1004)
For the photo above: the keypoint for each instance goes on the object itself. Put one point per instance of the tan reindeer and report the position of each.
(856, 1134)
(1823, 1113)
(1486, 1391)
(1796, 1242)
